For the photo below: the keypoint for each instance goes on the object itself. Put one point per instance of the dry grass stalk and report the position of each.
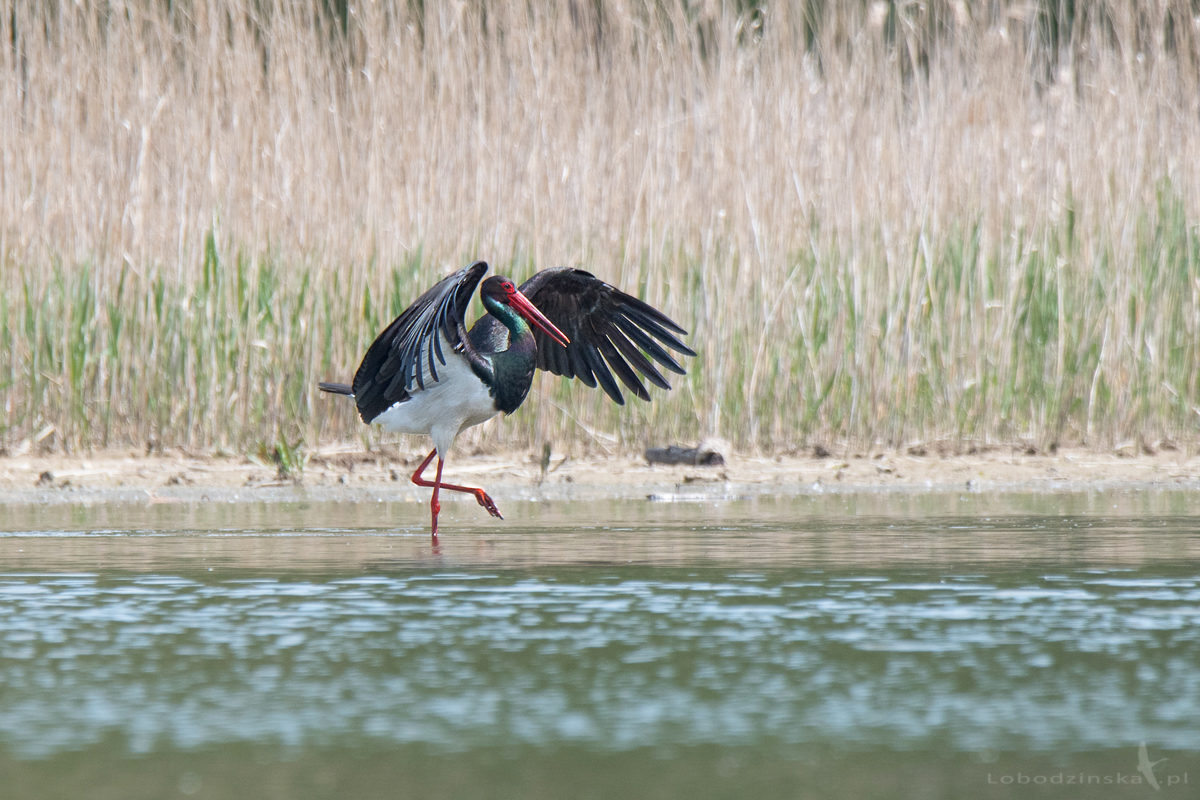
(880, 221)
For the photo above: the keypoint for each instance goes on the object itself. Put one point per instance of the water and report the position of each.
(932, 646)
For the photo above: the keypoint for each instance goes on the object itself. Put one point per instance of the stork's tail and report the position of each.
(335, 388)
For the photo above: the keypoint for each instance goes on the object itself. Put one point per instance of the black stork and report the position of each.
(425, 373)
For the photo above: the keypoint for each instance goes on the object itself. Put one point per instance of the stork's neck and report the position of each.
(512, 362)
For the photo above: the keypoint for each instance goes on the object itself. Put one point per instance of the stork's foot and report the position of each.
(487, 503)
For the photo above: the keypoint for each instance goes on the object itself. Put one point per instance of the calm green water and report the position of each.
(924, 646)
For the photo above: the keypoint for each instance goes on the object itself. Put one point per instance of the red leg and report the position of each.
(480, 495)
(434, 505)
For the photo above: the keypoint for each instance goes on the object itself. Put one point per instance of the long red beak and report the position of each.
(536, 318)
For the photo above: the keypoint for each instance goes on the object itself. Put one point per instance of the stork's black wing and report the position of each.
(610, 332)
(410, 348)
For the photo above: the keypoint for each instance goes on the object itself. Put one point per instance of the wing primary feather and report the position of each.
(414, 362)
(437, 348)
(636, 359)
(646, 308)
(653, 348)
(603, 375)
(579, 364)
(430, 342)
(651, 326)
(556, 356)
(621, 367)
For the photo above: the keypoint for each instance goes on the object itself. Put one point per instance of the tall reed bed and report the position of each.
(882, 222)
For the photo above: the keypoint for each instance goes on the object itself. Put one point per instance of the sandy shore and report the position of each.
(347, 474)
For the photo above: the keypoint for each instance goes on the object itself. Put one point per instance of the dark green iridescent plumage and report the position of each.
(510, 350)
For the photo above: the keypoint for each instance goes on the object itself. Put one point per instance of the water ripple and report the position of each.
(1074, 658)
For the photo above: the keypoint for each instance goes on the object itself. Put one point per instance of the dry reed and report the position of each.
(882, 222)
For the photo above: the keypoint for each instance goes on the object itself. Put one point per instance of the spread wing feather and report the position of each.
(411, 346)
(610, 332)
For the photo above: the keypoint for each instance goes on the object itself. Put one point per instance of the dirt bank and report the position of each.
(348, 473)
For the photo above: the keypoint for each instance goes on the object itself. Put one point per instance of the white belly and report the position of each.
(445, 407)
